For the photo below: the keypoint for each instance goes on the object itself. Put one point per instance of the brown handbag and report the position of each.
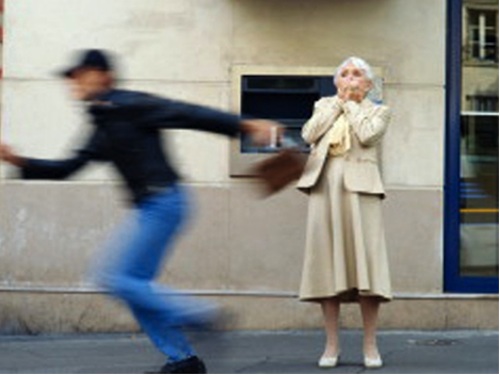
(281, 169)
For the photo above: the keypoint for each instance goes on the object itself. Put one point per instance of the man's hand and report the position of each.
(263, 132)
(7, 155)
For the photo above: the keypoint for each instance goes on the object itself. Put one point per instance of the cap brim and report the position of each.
(66, 73)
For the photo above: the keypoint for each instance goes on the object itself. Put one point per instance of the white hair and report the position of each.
(358, 63)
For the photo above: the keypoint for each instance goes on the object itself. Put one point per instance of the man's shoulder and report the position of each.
(118, 101)
(128, 97)
(127, 100)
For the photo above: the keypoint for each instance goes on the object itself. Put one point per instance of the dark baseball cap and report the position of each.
(91, 58)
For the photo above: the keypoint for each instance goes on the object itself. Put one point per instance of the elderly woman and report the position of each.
(345, 257)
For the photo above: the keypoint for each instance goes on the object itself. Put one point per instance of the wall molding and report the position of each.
(45, 289)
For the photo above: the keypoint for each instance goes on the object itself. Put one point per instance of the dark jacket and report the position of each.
(127, 133)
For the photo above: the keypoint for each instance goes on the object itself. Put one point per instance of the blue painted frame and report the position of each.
(453, 281)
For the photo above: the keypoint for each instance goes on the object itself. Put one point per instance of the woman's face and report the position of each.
(352, 83)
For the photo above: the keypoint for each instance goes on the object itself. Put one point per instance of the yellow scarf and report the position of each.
(340, 140)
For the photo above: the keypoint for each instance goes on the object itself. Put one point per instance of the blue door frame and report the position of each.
(453, 281)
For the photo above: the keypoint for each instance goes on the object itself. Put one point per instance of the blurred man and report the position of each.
(126, 132)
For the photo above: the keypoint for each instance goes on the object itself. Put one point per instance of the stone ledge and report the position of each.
(33, 313)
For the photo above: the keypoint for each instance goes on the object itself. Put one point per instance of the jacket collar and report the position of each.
(102, 100)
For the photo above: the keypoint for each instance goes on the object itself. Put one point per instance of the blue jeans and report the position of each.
(132, 261)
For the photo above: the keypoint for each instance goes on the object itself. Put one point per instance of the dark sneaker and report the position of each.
(191, 365)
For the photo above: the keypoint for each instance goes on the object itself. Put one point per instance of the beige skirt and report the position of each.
(345, 253)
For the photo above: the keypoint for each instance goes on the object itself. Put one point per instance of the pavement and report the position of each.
(263, 352)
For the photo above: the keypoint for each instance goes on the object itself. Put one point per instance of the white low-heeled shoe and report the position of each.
(328, 362)
(373, 362)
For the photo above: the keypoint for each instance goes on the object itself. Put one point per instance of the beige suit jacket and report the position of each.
(368, 123)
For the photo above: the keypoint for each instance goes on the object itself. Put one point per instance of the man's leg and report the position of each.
(139, 250)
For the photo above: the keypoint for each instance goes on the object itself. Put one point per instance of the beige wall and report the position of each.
(246, 251)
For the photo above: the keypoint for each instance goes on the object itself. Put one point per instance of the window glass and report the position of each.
(482, 32)
(287, 99)
(479, 140)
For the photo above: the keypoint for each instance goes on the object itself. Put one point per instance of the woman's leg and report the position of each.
(369, 310)
(331, 311)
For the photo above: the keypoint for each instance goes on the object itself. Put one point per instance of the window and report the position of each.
(482, 103)
(471, 253)
(482, 33)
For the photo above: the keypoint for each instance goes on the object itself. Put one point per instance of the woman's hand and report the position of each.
(351, 93)
(7, 155)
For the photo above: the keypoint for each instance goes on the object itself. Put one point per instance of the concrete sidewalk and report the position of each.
(288, 352)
